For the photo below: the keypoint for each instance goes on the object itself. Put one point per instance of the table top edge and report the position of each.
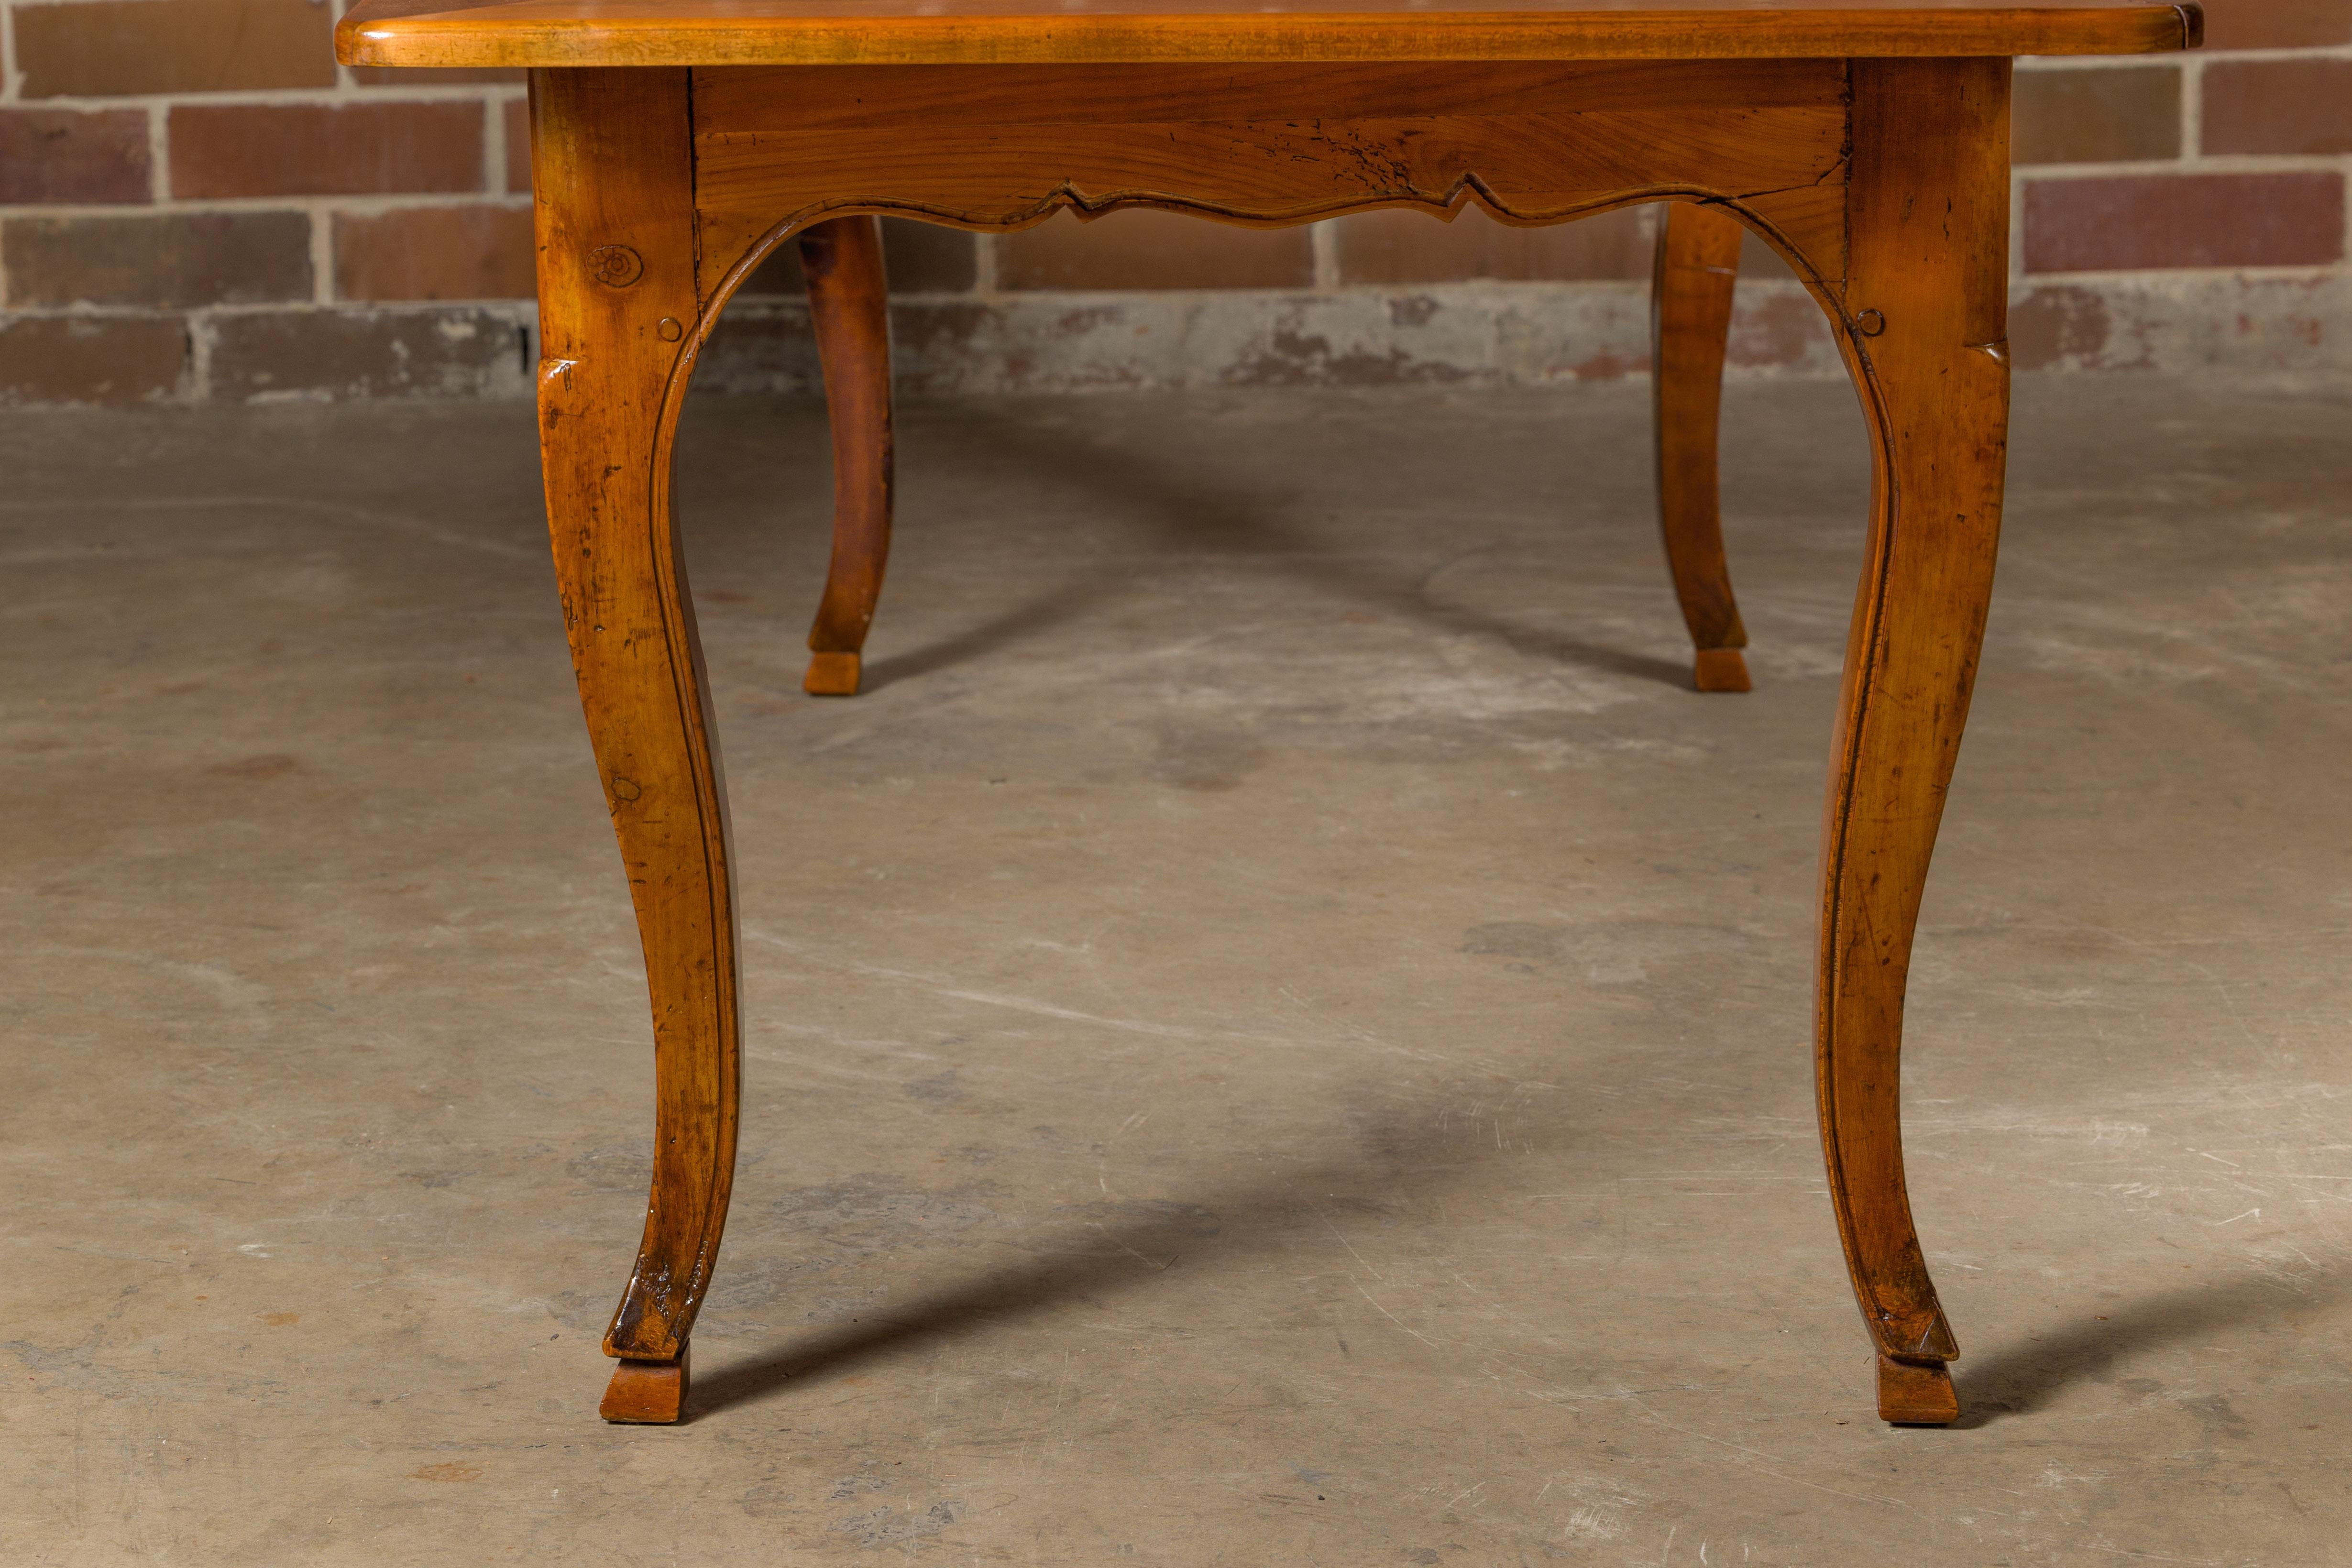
(536, 34)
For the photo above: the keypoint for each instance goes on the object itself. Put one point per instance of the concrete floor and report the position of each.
(1279, 1028)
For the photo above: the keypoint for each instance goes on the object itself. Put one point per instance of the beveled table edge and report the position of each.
(539, 33)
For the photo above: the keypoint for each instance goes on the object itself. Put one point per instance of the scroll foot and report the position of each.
(653, 1393)
(832, 675)
(1690, 306)
(1721, 670)
(849, 307)
(1916, 1392)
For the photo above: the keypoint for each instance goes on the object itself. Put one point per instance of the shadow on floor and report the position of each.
(1113, 1248)
(1097, 1260)
(1066, 604)
(1188, 517)
(2019, 1379)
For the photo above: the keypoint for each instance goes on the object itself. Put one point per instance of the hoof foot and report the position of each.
(834, 676)
(1916, 1392)
(1721, 670)
(646, 1393)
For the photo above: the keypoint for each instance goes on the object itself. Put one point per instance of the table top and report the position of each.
(972, 32)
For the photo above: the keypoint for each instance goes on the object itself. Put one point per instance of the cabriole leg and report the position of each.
(1925, 311)
(849, 306)
(611, 173)
(1690, 318)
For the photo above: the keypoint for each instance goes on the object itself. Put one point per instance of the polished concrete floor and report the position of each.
(1278, 1027)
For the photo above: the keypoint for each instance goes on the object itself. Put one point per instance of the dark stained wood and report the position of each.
(1690, 315)
(1882, 180)
(1011, 32)
(849, 307)
(613, 176)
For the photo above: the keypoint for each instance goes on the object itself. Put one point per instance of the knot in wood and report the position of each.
(616, 266)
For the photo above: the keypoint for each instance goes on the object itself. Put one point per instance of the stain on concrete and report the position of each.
(939, 1089)
(887, 1527)
(274, 766)
(450, 1471)
(1204, 758)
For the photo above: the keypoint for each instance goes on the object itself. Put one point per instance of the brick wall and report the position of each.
(196, 202)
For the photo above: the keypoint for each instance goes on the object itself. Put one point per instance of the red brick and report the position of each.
(2184, 220)
(1405, 246)
(436, 253)
(365, 353)
(919, 258)
(91, 359)
(518, 115)
(2278, 106)
(2276, 24)
(311, 150)
(2119, 115)
(1143, 248)
(68, 155)
(115, 48)
(169, 261)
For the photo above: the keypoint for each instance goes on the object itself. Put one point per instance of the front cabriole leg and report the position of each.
(1923, 329)
(611, 173)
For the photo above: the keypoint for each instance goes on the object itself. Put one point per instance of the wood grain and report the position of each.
(1882, 180)
(648, 1393)
(612, 173)
(1690, 317)
(849, 307)
(1006, 32)
(1924, 325)
(938, 144)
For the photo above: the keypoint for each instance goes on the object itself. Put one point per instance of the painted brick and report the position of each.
(1141, 248)
(2278, 106)
(69, 155)
(2170, 322)
(169, 261)
(1776, 329)
(435, 253)
(919, 258)
(2158, 220)
(1405, 246)
(1759, 263)
(2056, 325)
(91, 359)
(517, 113)
(114, 48)
(2123, 115)
(2276, 24)
(367, 353)
(314, 150)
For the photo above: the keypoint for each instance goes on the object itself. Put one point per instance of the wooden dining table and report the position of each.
(676, 144)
